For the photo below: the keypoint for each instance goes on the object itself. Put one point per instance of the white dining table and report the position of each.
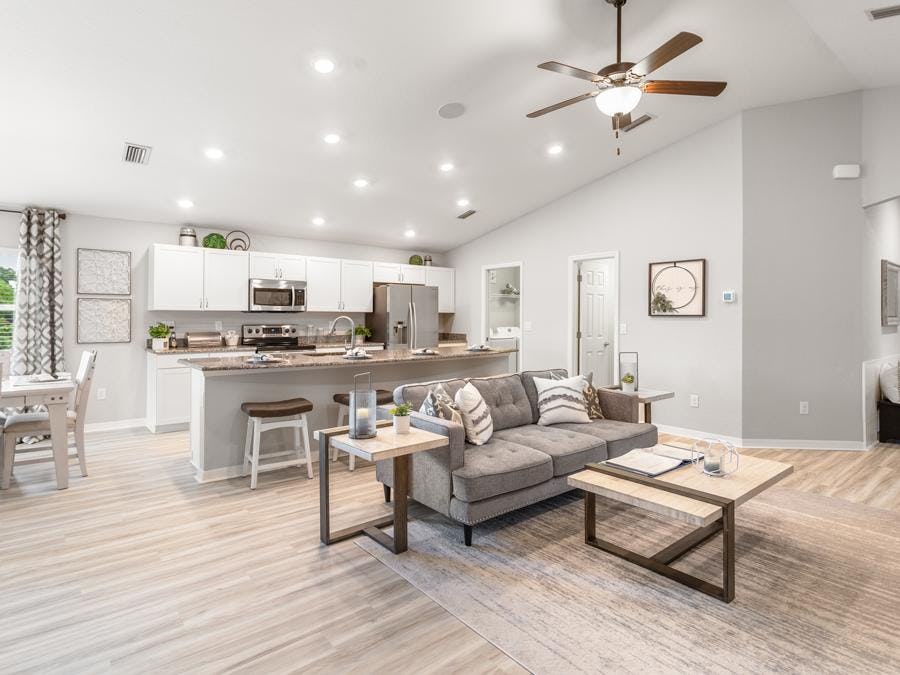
(17, 392)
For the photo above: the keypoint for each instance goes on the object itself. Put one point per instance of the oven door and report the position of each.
(274, 295)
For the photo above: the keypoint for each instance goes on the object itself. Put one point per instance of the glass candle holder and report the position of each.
(363, 415)
(715, 457)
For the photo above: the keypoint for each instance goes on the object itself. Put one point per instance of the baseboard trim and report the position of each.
(774, 443)
(115, 425)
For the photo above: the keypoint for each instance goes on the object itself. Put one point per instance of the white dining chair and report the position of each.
(19, 425)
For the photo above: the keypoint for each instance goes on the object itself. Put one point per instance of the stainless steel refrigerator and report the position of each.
(405, 316)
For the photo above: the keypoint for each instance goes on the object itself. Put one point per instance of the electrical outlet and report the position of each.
(101, 394)
(695, 400)
(218, 325)
(804, 407)
(623, 329)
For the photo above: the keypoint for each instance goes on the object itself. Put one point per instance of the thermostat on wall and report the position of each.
(729, 296)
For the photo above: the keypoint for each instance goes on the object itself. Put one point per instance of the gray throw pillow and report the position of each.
(438, 403)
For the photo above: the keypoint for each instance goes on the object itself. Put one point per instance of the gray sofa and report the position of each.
(524, 462)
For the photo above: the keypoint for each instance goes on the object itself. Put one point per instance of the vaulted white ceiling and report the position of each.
(80, 78)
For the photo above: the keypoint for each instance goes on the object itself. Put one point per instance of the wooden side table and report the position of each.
(646, 397)
(386, 445)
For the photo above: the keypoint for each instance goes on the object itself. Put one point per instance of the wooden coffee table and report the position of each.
(685, 495)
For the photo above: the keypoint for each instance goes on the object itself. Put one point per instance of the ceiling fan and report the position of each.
(620, 85)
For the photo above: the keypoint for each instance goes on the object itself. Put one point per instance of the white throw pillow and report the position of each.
(561, 400)
(476, 415)
(890, 382)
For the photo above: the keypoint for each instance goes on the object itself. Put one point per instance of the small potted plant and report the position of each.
(363, 332)
(401, 418)
(159, 335)
(628, 383)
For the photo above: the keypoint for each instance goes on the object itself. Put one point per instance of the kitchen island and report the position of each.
(219, 386)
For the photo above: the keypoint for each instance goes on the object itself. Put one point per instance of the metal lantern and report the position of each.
(362, 409)
(628, 365)
(715, 457)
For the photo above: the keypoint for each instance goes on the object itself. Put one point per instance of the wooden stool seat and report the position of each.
(288, 408)
(382, 397)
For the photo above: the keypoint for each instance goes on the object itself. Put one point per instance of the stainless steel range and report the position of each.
(283, 338)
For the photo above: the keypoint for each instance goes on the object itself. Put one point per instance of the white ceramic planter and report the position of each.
(401, 424)
(628, 387)
(160, 344)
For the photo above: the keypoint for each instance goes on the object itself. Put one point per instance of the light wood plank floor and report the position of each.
(138, 568)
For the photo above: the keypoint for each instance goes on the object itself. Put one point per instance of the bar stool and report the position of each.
(294, 410)
(382, 397)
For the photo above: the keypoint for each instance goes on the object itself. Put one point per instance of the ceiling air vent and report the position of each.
(884, 12)
(136, 154)
(463, 216)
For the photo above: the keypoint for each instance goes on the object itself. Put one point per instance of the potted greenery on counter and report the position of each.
(628, 383)
(159, 335)
(401, 418)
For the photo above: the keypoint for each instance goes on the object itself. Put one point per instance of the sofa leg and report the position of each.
(467, 534)
(387, 493)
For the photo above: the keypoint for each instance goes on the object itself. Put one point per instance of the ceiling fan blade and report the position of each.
(638, 122)
(563, 69)
(621, 121)
(561, 104)
(684, 87)
(677, 45)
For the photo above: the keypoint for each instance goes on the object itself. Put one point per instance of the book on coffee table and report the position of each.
(652, 461)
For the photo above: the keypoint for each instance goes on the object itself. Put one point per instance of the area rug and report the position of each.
(818, 588)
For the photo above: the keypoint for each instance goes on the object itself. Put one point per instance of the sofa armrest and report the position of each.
(618, 406)
(431, 471)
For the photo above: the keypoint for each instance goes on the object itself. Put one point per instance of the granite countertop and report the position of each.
(246, 348)
(301, 360)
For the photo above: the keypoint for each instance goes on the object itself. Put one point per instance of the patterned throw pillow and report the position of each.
(475, 414)
(439, 404)
(592, 402)
(561, 400)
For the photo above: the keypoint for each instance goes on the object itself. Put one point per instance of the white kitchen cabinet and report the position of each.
(323, 285)
(356, 286)
(176, 278)
(412, 274)
(386, 273)
(292, 267)
(225, 275)
(444, 278)
(263, 265)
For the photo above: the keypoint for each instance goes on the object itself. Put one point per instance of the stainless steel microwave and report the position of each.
(277, 295)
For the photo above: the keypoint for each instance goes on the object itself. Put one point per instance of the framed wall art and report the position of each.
(103, 272)
(890, 293)
(103, 320)
(677, 288)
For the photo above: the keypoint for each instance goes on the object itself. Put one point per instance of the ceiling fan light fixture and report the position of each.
(619, 100)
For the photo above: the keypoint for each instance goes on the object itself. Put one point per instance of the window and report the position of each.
(8, 268)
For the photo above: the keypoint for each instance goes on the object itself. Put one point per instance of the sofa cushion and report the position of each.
(569, 450)
(561, 400)
(414, 394)
(499, 467)
(620, 437)
(506, 398)
(438, 403)
(531, 391)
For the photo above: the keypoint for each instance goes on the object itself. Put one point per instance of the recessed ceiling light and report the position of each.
(409, 234)
(185, 203)
(323, 66)
(318, 221)
(462, 202)
(361, 182)
(331, 139)
(447, 167)
(554, 149)
(214, 153)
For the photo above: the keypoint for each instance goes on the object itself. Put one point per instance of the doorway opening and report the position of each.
(502, 306)
(594, 316)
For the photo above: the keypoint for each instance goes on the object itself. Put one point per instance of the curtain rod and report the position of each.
(62, 216)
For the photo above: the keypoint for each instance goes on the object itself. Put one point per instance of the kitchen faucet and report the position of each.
(352, 329)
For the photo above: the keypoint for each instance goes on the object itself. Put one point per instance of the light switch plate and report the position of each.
(623, 329)
(804, 407)
(695, 400)
(528, 327)
(218, 325)
(101, 393)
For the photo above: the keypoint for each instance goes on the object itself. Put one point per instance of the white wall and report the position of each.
(121, 367)
(880, 145)
(803, 234)
(682, 202)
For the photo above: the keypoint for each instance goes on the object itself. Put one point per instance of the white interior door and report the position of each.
(597, 324)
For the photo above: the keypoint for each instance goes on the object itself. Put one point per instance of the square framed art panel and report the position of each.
(103, 272)
(677, 288)
(103, 320)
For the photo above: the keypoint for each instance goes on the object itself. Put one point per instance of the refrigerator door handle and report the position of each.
(415, 327)
(410, 322)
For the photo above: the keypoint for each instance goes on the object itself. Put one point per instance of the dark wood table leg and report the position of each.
(401, 502)
(590, 516)
(728, 536)
(324, 507)
(647, 415)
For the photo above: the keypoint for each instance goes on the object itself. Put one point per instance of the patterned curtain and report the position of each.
(38, 336)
